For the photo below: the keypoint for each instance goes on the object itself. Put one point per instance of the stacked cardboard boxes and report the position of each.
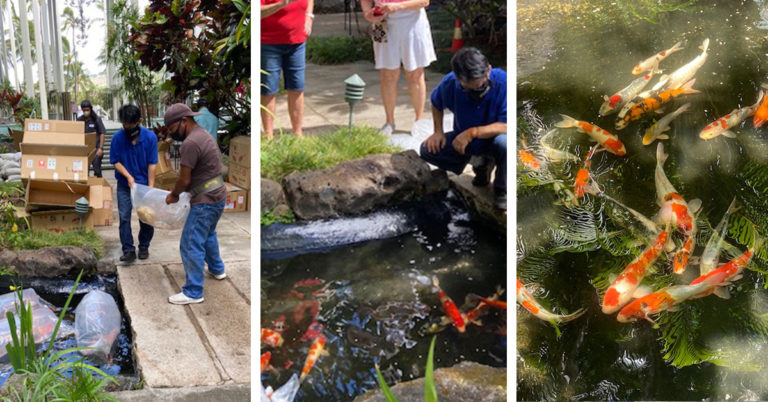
(55, 160)
(240, 164)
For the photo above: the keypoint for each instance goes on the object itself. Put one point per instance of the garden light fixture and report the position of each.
(353, 93)
(82, 208)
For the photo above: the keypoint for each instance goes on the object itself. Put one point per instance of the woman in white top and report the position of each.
(407, 41)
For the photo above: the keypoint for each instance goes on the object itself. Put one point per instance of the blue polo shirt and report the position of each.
(468, 113)
(135, 158)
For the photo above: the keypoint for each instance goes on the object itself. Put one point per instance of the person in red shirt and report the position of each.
(285, 26)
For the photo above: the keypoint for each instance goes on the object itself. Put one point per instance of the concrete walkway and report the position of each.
(187, 348)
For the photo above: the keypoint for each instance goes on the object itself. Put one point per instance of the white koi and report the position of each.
(711, 254)
(684, 73)
(612, 104)
(723, 125)
(652, 62)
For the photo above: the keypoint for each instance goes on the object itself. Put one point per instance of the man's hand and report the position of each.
(308, 25)
(171, 199)
(100, 152)
(462, 140)
(435, 142)
(131, 181)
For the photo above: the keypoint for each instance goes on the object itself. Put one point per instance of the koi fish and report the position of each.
(665, 299)
(654, 103)
(501, 305)
(726, 274)
(529, 303)
(627, 106)
(674, 210)
(657, 129)
(286, 393)
(584, 183)
(609, 141)
(529, 161)
(723, 125)
(472, 316)
(711, 253)
(652, 62)
(625, 286)
(265, 357)
(649, 224)
(686, 72)
(314, 353)
(612, 104)
(450, 307)
(553, 154)
(680, 259)
(761, 115)
(271, 338)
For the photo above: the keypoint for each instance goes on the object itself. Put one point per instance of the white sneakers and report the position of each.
(220, 276)
(387, 129)
(181, 298)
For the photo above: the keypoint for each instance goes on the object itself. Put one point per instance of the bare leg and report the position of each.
(389, 80)
(266, 117)
(296, 111)
(418, 89)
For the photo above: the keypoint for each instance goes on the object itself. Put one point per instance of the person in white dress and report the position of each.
(401, 37)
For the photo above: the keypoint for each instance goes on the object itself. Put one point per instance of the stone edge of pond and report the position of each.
(219, 393)
(353, 187)
(466, 381)
(480, 201)
(51, 262)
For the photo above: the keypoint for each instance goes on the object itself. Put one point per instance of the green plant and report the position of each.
(269, 218)
(339, 49)
(430, 391)
(46, 373)
(18, 104)
(33, 240)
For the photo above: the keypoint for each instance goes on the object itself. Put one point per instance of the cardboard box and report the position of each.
(237, 199)
(163, 158)
(248, 206)
(240, 150)
(56, 150)
(239, 175)
(54, 194)
(17, 136)
(166, 181)
(59, 221)
(100, 198)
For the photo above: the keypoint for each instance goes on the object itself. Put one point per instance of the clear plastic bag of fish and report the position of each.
(151, 207)
(43, 322)
(97, 324)
(9, 301)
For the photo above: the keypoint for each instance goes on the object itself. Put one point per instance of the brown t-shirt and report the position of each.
(200, 152)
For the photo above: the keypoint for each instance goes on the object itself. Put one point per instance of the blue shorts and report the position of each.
(291, 59)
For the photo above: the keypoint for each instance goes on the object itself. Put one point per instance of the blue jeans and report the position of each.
(291, 59)
(124, 210)
(448, 159)
(199, 245)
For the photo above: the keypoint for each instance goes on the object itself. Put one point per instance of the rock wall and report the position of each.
(50, 262)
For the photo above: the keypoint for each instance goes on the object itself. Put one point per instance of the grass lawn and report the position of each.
(33, 240)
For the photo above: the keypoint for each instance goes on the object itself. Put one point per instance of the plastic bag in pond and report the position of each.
(286, 393)
(97, 324)
(151, 207)
(43, 322)
(8, 301)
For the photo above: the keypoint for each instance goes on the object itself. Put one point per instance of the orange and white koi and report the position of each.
(723, 125)
(674, 210)
(652, 63)
(501, 305)
(529, 161)
(681, 257)
(315, 351)
(654, 103)
(726, 273)
(584, 183)
(761, 115)
(657, 130)
(609, 141)
(472, 316)
(552, 154)
(665, 299)
(529, 303)
(624, 287)
(686, 72)
(271, 338)
(711, 254)
(450, 307)
(265, 357)
(614, 102)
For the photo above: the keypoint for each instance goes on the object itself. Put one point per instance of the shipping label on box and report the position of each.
(163, 159)
(239, 175)
(58, 126)
(240, 150)
(236, 199)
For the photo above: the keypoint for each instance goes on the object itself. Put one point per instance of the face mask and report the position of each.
(176, 135)
(87, 114)
(133, 133)
(478, 93)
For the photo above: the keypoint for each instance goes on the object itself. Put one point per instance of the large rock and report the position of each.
(360, 185)
(272, 194)
(480, 201)
(466, 381)
(50, 262)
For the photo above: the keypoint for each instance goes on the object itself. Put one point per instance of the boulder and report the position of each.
(358, 186)
(480, 201)
(466, 381)
(272, 194)
(50, 262)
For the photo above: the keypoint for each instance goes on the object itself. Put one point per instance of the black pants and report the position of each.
(97, 165)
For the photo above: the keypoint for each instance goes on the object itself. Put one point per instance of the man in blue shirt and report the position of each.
(477, 96)
(134, 155)
(206, 119)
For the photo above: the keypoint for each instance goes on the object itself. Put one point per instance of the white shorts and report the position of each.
(409, 41)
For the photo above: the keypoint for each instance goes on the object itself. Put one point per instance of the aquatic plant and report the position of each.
(430, 391)
(269, 218)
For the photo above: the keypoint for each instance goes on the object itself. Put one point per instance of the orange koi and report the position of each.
(501, 305)
(624, 286)
(761, 115)
(529, 160)
(450, 307)
(681, 257)
(665, 299)
(265, 357)
(529, 303)
(271, 338)
(609, 141)
(726, 274)
(314, 353)
(655, 102)
(584, 183)
(472, 316)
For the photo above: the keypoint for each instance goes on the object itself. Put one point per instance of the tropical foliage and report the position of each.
(17, 104)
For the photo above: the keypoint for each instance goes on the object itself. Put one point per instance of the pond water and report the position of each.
(712, 348)
(374, 302)
(56, 291)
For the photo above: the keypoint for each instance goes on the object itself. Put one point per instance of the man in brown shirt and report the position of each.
(201, 176)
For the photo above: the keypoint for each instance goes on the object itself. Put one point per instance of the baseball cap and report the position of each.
(176, 112)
